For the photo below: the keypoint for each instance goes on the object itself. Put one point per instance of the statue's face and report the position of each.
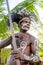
(25, 24)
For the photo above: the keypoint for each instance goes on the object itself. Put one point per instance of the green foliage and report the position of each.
(41, 50)
(4, 31)
(41, 5)
(5, 53)
(1, 1)
(1, 9)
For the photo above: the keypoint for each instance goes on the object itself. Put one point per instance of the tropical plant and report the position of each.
(3, 17)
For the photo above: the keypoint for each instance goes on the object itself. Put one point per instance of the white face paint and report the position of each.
(25, 25)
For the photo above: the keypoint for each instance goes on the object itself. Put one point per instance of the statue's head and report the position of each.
(22, 18)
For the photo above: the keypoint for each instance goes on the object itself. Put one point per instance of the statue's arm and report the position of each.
(5, 42)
